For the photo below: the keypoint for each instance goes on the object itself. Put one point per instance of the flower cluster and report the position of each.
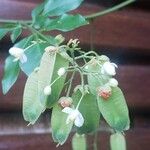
(108, 69)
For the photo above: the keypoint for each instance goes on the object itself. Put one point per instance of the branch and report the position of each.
(109, 10)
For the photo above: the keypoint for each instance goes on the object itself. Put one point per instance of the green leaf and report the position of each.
(37, 11)
(3, 32)
(36, 49)
(117, 142)
(50, 63)
(59, 7)
(60, 130)
(115, 110)
(25, 42)
(65, 23)
(32, 107)
(16, 33)
(88, 108)
(95, 79)
(79, 142)
(11, 72)
(59, 84)
(34, 55)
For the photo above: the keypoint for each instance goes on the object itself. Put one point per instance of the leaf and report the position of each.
(34, 55)
(16, 33)
(88, 108)
(36, 49)
(32, 107)
(79, 142)
(60, 130)
(11, 72)
(117, 142)
(3, 32)
(59, 7)
(59, 84)
(95, 79)
(50, 63)
(115, 110)
(65, 23)
(37, 11)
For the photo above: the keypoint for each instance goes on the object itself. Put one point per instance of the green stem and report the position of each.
(109, 10)
(55, 80)
(69, 88)
(80, 101)
(94, 15)
(15, 21)
(37, 32)
(95, 141)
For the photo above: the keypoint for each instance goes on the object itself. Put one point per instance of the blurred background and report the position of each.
(124, 36)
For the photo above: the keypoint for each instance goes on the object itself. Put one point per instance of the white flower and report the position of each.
(61, 71)
(113, 82)
(86, 67)
(47, 90)
(109, 68)
(74, 116)
(18, 53)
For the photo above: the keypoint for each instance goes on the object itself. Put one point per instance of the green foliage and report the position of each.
(79, 142)
(50, 63)
(33, 62)
(65, 23)
(115, 110)
(59, 84)
(59, 7)
(60, 130)
(16, 33)
(95, 79)
(32, 107)
(88, 109)
(53, 15)
(3, 32)
(11, 72)
(117, 142)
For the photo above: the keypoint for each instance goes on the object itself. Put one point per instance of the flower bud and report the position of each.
(51, 49)
(109, 68)
(113, 82)
(65, 102)
(104, 92)
(61, 71)
(47, 90)
(103, 58)
(60, 38)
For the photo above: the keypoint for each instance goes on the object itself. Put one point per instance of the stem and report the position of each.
(80, 101)
(55, 80)
(69, 88)
(92, 16)
(37, 32)
(109, 10)
(15, 21)
(95, 141)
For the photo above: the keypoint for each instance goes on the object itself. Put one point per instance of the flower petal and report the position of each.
(79, 120)
(67, 110)
(23, 58)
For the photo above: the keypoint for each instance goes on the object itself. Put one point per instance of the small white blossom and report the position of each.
(74, 116)
(86, 67)
(18, 53)
(61, 71)
(47, 90)
(109, 68)
(113, 82)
